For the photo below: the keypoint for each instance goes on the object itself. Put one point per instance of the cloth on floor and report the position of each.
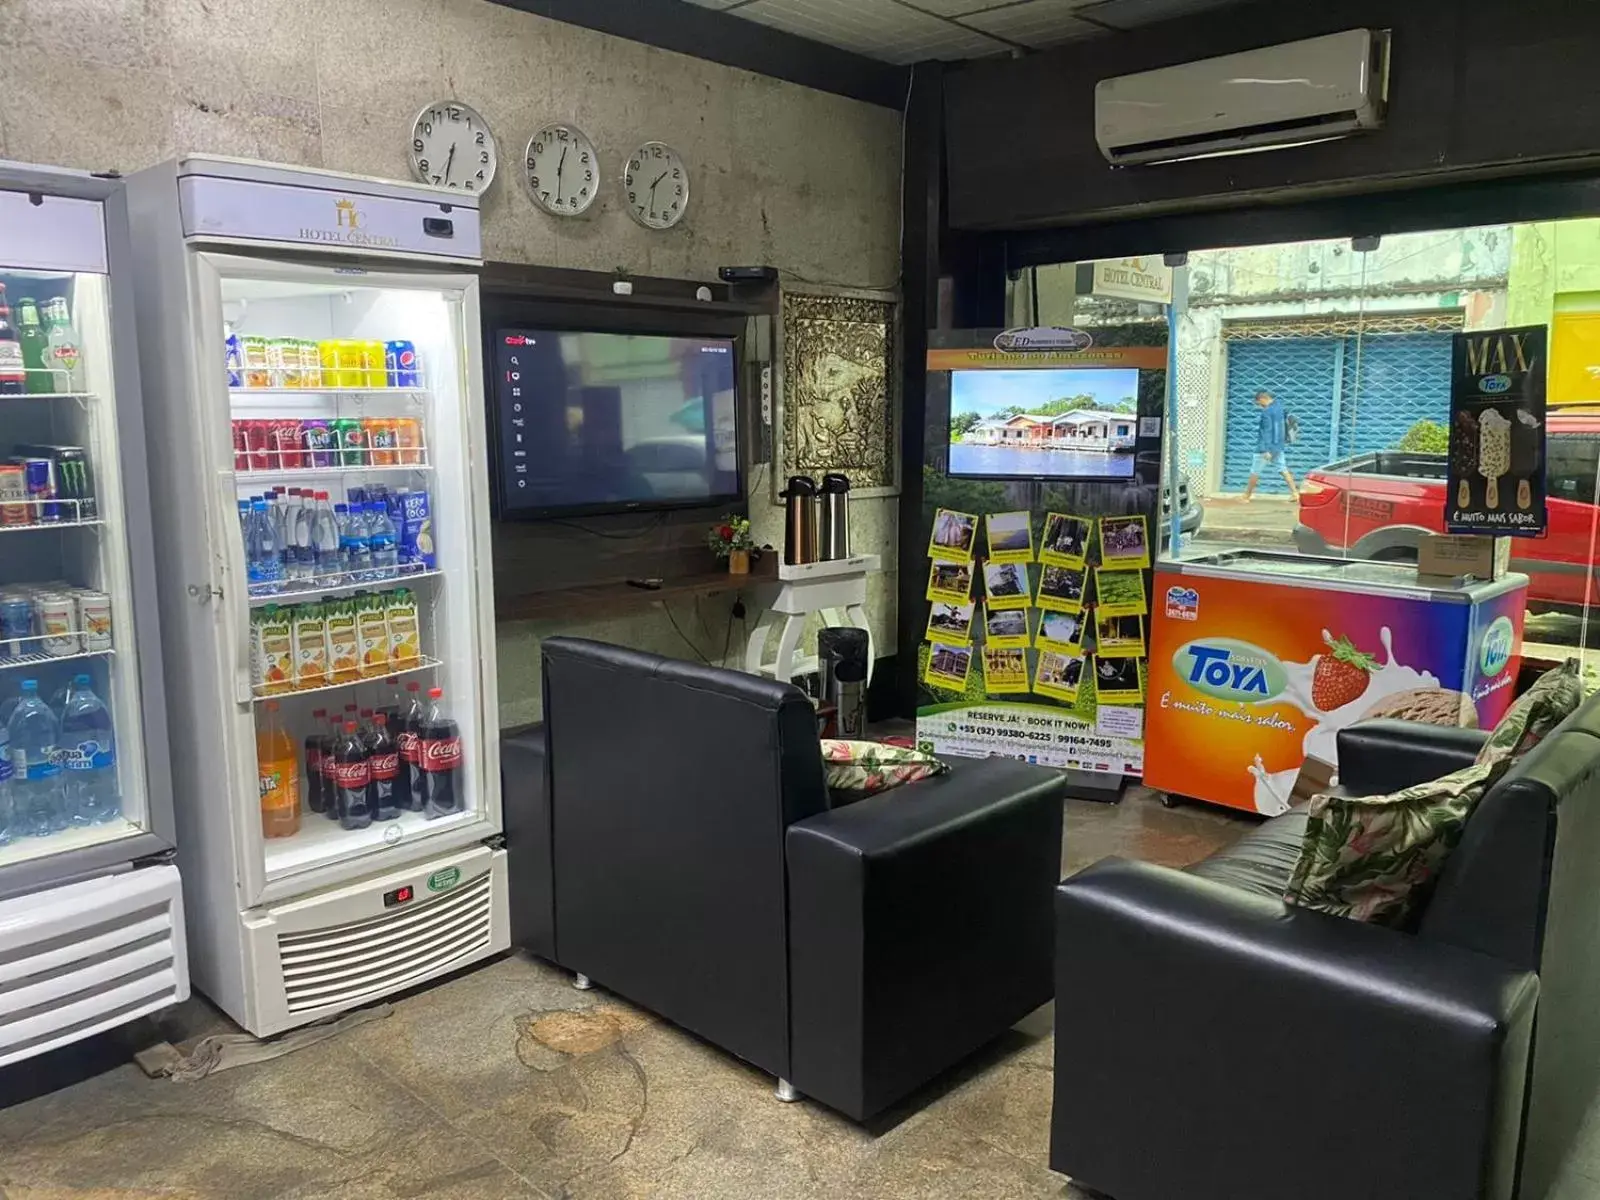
(221, 1051)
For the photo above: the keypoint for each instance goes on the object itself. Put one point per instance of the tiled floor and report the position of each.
(506, 1082)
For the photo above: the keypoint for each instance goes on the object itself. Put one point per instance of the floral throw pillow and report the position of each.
(1552, 698)
(859, 769)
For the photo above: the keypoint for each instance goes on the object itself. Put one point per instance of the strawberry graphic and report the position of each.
(1341, 676)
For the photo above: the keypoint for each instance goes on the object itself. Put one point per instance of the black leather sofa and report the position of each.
(670, 838)
(1214, 1043)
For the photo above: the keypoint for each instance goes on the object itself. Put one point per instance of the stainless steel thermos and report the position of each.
(842, 652)
(802, 520)
(834, 534)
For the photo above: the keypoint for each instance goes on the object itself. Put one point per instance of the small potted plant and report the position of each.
(731, 540)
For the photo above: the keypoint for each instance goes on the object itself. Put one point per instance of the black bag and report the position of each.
(1291, 429)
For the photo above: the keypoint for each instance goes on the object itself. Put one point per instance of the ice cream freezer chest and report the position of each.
(1259, 659)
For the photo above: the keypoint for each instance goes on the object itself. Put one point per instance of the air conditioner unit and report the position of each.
(1320, 88)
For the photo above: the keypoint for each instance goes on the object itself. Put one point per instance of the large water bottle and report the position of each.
(325, 550)
(381, 542)
(7, 825)
(88, 757)
(357, 553)
(263, 566)
(35, 771)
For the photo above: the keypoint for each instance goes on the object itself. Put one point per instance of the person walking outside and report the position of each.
(1272, 436)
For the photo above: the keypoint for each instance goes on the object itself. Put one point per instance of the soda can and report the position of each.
(256, 360)
(310, 363)
(288, 452)
(283, 360)
(74, 484)
(317, 437)
(16, 626)
(235, 360)
(351, 363)
(382, 441)
(94, 619)
(400, 359)
(40, 476)
(58, 633)
(258, 443)
(408, 441)
(351, 438)
(241, 446)
(13, 495)
(374, 364)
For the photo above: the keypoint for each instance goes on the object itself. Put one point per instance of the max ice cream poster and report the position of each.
(1254, 687)
(1497, 433)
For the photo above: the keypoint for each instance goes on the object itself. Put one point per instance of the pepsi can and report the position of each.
(401, 360)
(39, 474)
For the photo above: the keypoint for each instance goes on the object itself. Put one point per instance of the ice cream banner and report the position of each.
(1496, 474)
(1251, 680)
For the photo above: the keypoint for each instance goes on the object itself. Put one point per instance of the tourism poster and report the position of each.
(1059, 676)
(948, 666)
(950, 581)
(1116, 680)
(953, 535)
(1010, 537)
(1119, 593)
(1061, 589)
(1124, 542)
(950, 623)
(1065, 542)
(1005, 671)
(1061, 632)
(1005, 585)
(1007, 628)
(1118, 637)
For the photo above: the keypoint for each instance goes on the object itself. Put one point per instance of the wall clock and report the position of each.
(655, 185)
(562, 170)
(452, 147)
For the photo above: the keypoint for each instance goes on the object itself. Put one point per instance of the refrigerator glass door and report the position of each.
(66, 612)
(357, 390)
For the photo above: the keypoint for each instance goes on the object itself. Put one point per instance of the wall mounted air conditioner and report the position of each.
(1320, 88)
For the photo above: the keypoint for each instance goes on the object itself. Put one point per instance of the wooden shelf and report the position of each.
(593, 600)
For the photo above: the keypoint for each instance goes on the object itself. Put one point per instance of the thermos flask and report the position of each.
(834, 536)
(801, 512)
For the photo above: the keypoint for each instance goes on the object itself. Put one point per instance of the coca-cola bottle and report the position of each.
(353, 774)
(318, 743)
(409, 739)
(331, 737)
(392, 706)
(383, 765)
(439, 749)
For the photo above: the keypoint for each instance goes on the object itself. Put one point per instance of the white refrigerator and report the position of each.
(276, 307)
(91, 914)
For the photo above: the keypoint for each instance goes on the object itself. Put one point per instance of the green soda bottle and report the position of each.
(35, 347)
(64, 354)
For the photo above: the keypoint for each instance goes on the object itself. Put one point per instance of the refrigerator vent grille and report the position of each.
(342, 965)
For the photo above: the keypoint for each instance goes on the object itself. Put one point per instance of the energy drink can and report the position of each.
(13, 495)
(94, 620)
(40, 476)
(57, 614)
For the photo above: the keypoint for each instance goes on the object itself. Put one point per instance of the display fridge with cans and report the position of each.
(311, 358)
(91, 913)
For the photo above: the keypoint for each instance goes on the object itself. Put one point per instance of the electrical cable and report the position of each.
(630, 535)
(678, 629)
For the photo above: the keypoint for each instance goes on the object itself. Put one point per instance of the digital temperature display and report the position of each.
(401, 895)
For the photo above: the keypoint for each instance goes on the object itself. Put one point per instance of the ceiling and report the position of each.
(908, 31)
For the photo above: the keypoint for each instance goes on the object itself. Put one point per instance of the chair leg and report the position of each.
(582, 982)
(787, 1093)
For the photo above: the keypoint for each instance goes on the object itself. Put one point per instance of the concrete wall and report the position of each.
(800, 179)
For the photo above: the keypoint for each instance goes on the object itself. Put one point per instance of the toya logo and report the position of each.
(1494, 384)
(1230, 670)
(1495, 652)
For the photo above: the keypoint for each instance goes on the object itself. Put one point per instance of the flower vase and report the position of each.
(738, 562)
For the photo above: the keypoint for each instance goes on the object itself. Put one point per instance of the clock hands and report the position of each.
(658, 179)
(560, 166)
(449, 158)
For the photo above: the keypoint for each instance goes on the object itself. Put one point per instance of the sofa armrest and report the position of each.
(1213, 1043)
(920, 927)
(1382, 756)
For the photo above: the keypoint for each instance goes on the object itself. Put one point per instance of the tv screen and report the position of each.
(1046, 423)
(595, 422)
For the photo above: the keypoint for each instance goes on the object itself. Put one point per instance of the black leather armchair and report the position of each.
(1215, 1043)
(697, 869)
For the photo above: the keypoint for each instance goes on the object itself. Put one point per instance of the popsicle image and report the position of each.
(1494, 453)
(1526, 443)
(1464, 455)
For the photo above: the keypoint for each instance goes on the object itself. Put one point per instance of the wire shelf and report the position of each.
(286, 473)
(275, 446)
(80, 396)
(423, 663)
(326, 585)
(238, 392)
(30, 652)
(67, 514)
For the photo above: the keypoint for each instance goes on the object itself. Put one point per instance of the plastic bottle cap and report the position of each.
(435, 693)
(30, 685)
(381, 719)
(80, 679)
(366, 712)
(413, 686)
(391, 679)
(319, 712)
(272, 706)
(349, 726)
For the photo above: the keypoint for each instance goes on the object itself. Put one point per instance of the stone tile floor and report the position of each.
(506, 1082)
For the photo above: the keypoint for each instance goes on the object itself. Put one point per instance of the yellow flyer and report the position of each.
(1116, 681)
(1006, 628)
(1119, 593)
(1005, 585)
(1118, 637)
(1058, 676)
(953, 535)
(1010, 537)
(950, 581)
(1066, 540)
(950, 623)
(1004, 671)
(1124, 542)
(1060, 632)
(1061, 589)
(948, 667)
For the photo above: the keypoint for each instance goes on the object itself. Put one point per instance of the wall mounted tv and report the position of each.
(592, 422)
(1044, 423)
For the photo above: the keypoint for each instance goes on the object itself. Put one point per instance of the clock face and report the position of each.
(655, 185)
(452, 148)
(563, 170)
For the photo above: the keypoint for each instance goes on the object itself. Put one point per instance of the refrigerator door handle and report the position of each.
(232, 563)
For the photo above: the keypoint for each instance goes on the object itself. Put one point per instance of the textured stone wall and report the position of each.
(800, 179)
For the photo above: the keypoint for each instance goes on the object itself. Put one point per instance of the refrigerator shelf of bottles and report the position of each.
(321, 840)
(30, 651)
(317, 390)
(422, 663)
(335, 585)
(30, 525)
(282, 473)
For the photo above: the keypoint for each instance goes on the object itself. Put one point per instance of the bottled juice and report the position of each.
(405, 642)
(310, 646)
(272, 656)
(344, 640)
(373, 625)
(278, 775)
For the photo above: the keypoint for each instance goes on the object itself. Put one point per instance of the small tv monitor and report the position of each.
(1076, 423)
(591, 422)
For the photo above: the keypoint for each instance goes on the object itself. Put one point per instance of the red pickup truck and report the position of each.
(1379, 505)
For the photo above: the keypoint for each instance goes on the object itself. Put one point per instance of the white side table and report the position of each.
(836, 590)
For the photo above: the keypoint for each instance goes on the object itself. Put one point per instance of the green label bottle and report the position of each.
(63, 342)
(35, 347)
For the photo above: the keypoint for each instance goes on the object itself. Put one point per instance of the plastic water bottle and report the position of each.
(35, 772)
(381, 542)
(263, 565)
(357, 553)
(302, 555)
(7, 824)
(325, 550)
(88, 757)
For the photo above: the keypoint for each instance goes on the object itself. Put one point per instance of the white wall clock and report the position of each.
(562, 170)
(655, 185)
(452, 147)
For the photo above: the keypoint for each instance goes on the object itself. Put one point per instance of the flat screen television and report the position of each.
(590, 422)
(1044, 423)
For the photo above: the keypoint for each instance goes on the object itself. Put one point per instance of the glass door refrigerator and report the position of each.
(91, 917)
(311, 355)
